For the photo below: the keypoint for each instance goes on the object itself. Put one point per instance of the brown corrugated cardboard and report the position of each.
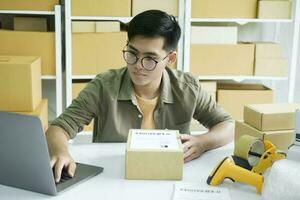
(233, 97)
(76, 88)
(101, 8)
(271, 67)
(224, 8)
(274, 9)
(83, 27)
(20, 83)
(42, 112)
(30, 24)
(94, 53)
(46, 5)
(268, 117)
(41, 44)
(222, 59)
(108, 26)
(169, 6)
(159, 162)
(268, 50)
(282, 139)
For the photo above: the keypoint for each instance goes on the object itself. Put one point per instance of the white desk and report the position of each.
(112, 185)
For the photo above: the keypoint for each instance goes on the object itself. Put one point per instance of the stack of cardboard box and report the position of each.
(45, 5)
(20, 87)
(274, 122)
(269, 60)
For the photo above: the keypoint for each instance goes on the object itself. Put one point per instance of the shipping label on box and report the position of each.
(267, 117)
(214, 35)
(154, 154)
(282, 139)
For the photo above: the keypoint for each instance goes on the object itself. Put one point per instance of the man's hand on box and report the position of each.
(192, 147)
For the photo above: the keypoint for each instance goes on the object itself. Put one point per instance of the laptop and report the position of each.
(25, 160)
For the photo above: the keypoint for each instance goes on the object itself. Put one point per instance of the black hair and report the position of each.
(155, 23)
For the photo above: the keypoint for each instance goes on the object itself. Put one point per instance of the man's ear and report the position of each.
(172, 57)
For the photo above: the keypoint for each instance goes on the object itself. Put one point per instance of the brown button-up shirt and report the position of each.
(110, 99)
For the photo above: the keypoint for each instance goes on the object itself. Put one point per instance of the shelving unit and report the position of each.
(58, 50)
(68, 35)
(295, 22)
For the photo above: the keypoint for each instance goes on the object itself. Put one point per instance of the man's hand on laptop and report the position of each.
(60, 158)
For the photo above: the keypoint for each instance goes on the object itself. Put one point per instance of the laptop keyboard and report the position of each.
(64, 177)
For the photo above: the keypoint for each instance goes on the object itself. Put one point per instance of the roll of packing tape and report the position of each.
(249, 148)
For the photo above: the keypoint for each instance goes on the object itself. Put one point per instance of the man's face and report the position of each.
(149, 49)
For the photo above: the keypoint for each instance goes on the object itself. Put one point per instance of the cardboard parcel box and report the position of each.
(94, 53)
(233, 97)
(267, 117)
(45, 5)
(42, 112)
(169, 6)
(222, 59)
(110, 8)
(20, 83)
(76, 88)
(276, 9)
(224, 8)
(154, 154)
(41, 44)
(282, 139)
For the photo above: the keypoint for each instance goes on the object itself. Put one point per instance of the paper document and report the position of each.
(154, 139)
(195, 191)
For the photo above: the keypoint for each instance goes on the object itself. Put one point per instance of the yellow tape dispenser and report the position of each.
(251, 158)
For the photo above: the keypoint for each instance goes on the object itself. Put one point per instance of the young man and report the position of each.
(144, 94)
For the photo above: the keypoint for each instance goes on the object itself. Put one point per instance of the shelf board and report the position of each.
(242, 78)
(27, 12)
(83, 76)
(48, 77)
(122, 19)
(241, 21)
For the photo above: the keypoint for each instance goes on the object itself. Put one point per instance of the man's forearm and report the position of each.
(57, 139)
(217, 136)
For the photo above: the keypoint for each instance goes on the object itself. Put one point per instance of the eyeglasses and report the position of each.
(148, 63)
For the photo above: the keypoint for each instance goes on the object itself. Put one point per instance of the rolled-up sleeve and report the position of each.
(82, 109)
(207, 111)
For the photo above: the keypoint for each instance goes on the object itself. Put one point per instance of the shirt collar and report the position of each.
(126, 89)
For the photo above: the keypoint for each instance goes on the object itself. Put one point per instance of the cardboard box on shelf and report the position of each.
(222, 59)
(214, 35)
(154, 154)
(169, 6)
(101, 8)
(94, 53)
(282, 139)
(42, 112)
(108, 26)
(20, 83)
(83, 27)
(41, 44)
(268, 117)
(224, 8)
(271, 67)
(30, 24)
(268, 50)
(274, 9)
(44, 5)
(76, 88)
(233, 97)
